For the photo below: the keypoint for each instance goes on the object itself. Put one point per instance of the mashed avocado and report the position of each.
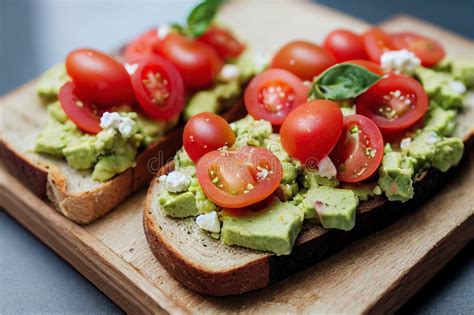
(108, 153)
(462, 70)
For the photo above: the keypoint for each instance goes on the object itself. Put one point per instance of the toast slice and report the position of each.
(73, 192)
(206, 265)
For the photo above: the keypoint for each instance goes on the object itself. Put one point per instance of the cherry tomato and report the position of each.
(80, 112)
(223, 41)
(375, 68)
(359, 150)
(395, 103)
(376, 42)
(273, 94)
(197, 62)
(311, 131)
(427, 49)
(99, 78)
(144, 45)
(345, 45)
(237, 178)
(158, 87)
(304, 59)
(206, 132)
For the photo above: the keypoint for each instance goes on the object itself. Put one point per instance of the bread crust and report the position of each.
(85, 207)
(312, 245)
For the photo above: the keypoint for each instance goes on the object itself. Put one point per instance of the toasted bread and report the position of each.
(73, 192)
(208, 266)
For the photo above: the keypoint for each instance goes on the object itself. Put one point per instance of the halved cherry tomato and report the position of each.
(395, 103)
(99, 78)
(427, 49)
(376, 42)
(144, 45)
(206, 132)
(80, 112)
(223, 41)
(197, 62)
(311, 131)
(236, 178)
(304, 59)
(375, 68)
(345, 45)
(158, 87)
(273, 94)
(359, 150)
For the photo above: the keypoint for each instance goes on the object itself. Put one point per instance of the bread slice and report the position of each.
(73, 192)
(206, 265)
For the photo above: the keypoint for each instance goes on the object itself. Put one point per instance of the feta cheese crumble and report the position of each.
(163, 30)
(131, 67)
(175, 181)
(405, 143)
(125, 125)
(432, 138)
(209, 222)
(327, 168)
(229, 73)
(457, 86)
(403, 61)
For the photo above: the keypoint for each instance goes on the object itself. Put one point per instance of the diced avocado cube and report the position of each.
(203, 204)
(289, 172)
(56, 112)
(463, 70)
(441, 87)
(80, 156)
(448, 153)
(272, 229)
(178, 205)
(310, 178)
(422, 148)
(51, 81)
(335, 208)
(54, 138)
(395, 176)
(110, 165)
(442, 121)
(203, 101)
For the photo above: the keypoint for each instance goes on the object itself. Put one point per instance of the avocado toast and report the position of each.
(198, 256)
(88, 136)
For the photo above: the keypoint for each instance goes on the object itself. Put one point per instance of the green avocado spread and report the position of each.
(305, 195)
(109, 152)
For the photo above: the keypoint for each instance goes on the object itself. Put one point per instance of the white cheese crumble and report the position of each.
(405, 143)
(175, 181)
(432, 138)
(125, 125)
(163, 30)
(457, 86)
(327, 168)
(209, 222)
(403, 61)
(229, 73)
(131, 68)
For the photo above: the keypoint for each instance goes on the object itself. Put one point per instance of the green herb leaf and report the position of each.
(201, 17)
(343, 81)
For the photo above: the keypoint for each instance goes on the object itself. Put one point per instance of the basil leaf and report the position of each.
(343, 81)
(201, 17)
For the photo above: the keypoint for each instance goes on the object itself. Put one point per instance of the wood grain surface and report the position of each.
(375, 274)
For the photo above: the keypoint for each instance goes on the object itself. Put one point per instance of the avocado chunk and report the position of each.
(272, 229)
(310, 178)
(442, 87)
(395, 176)
(203, 204)
(463, 70)
(178, 205)
(55, 137)
(449, 152)
(81, 155)
(252, 132)
(440, 120)
(51, 81)
(56, 112)
(335, 208)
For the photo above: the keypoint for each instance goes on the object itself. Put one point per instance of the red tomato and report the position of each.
(273, 94)
(345, 45)
(311, 131)
(223, 41)
(144, 45)
(359, 150)
(197, 62)
(240, 177)
(99, 78)
(376, 42)
(428, 50)
(158, 87)
(206, 132)
(395, 103)
(304, 59)
(80, 112)
(375, 68)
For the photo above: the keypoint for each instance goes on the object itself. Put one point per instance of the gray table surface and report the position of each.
(36, 34)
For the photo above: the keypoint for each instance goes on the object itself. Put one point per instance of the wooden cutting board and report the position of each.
(376, 274)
